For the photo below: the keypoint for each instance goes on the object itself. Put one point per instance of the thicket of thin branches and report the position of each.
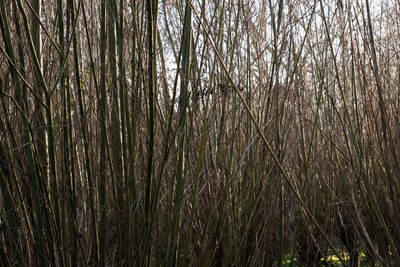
(196, 133)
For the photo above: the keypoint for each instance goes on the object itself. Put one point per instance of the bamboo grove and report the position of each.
(199, 133)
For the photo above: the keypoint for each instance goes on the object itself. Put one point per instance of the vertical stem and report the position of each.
(152, 9)
(183, 102)
(101, 256)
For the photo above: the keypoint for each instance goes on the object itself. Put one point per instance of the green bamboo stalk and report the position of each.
(124, 115)
(172, 256)
(115, 137)
(67, 170)
(91, 182)
(275, 72)
(101, 254)
(151, 11)
(202, 146)
(116, 109)
(83, 121)
(131, 236)
(168, 145)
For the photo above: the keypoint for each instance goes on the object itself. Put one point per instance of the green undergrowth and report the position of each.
(331, 260)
